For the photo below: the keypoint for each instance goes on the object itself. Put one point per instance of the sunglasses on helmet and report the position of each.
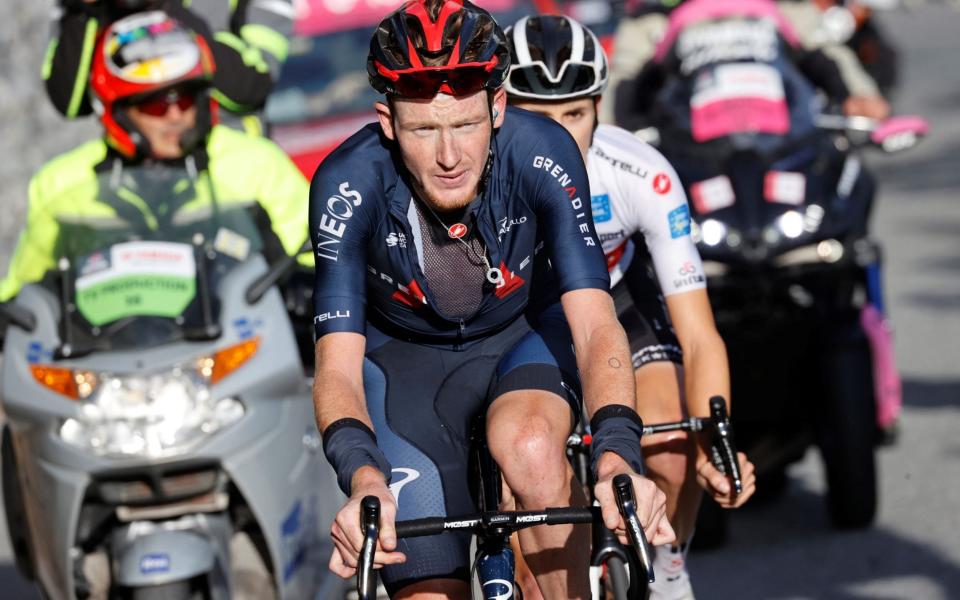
(157, 105)
(427, 82)
(573, 79)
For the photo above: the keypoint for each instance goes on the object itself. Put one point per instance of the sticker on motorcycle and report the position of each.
(156, 562)
(156, 279)
(712, 194)
(293, 549)
(679, 219)
(36, 353)
(246, 327)
(600, 205)
(298, 535)
(738, 98)
(784, 187)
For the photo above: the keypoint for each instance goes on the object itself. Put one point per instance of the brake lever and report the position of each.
(723, 448)
(627, 503)
(370, 526)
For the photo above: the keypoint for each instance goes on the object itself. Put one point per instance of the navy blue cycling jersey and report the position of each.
(534, 207)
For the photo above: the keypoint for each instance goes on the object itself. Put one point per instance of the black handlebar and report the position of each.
(723, 455)
(723, 449)
(505, 522)
(627, 504)
(370, 526)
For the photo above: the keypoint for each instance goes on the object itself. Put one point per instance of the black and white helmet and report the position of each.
(554, 58)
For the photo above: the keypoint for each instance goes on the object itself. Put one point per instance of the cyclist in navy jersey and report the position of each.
(454, 244)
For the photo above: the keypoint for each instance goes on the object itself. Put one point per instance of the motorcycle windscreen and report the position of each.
(737, 98)
(138, 256)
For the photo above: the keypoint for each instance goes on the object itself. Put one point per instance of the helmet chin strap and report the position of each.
(488, 167)
(141, 144)
(195, 136)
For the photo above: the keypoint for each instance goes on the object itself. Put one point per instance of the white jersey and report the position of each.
(634, 189)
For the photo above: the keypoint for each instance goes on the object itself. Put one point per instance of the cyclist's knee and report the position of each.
(527, 438)
(669, 458)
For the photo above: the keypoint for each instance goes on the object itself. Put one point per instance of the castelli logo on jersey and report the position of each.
(661, 183)
(457, 230)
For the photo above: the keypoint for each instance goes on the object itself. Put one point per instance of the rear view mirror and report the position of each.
(15, 314)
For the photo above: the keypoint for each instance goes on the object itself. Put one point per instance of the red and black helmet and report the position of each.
(142, 55)
(431, 46)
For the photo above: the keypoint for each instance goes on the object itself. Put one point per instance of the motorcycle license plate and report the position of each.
(738, 98)
(136, 279)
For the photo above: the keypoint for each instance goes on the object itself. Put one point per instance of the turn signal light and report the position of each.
(57, 379)
(230, 359)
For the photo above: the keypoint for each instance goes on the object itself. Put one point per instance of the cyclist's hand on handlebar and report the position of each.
(651, 502)
(718, 485)
(874, 107)
(346, 533)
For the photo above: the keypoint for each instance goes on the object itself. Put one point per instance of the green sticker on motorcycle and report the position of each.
(136, 279)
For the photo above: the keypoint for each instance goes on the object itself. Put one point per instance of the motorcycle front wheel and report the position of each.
(846, 426)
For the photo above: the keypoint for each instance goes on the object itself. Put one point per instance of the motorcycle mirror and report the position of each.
(274, 274)
(18, 315)
(899, 133)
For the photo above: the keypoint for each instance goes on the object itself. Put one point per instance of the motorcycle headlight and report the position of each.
(790, 224)
(713, 232)
(150, 415)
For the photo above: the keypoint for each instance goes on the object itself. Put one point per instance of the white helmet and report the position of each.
(554, 57)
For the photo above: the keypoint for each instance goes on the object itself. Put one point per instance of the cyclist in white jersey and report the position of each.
(559, 69)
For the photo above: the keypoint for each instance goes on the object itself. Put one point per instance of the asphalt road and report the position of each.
(785, 550)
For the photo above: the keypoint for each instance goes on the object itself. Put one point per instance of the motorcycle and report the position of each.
(780, 203)
(159, 438)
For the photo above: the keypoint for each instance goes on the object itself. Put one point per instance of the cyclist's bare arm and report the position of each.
(606, 374)
(602, 350)
(704, 354)
(338, 379)
(338, 394)
(706, 375)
